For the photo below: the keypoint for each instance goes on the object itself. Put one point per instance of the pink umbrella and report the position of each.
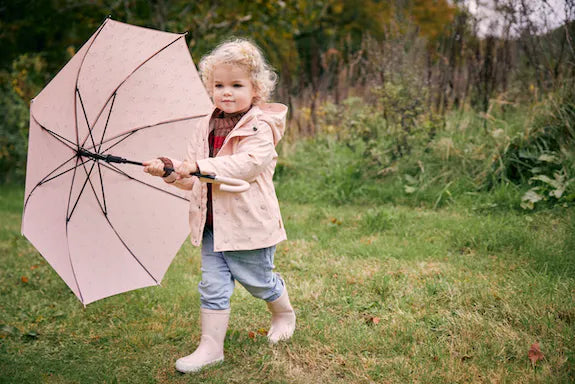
(104, 226)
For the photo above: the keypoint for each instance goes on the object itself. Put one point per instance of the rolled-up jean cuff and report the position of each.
(208, 305)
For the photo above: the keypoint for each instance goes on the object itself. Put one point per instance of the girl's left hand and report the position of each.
(185, 169)
(154, 167)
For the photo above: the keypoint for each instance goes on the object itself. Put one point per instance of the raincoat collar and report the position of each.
(274, 114)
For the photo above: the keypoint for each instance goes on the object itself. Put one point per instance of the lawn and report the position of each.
(383, 294)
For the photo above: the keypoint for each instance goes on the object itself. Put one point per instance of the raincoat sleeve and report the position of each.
(188, 182)
(253, 154)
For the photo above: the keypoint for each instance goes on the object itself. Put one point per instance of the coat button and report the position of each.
(255, 128)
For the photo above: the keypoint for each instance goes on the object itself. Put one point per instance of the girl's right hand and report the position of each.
(154, 167)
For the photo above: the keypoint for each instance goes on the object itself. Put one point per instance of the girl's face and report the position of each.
(233, 90)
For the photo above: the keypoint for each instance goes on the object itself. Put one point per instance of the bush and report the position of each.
(370, 153)
(16, 89)
(543, 156)
(13, 134)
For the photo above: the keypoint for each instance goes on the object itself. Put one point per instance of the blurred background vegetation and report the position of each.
(405, 101)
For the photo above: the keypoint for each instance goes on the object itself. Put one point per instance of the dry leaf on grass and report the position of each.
(372, 320)
(535, 354)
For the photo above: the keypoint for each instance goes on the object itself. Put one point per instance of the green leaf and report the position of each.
(549, 158)
(8, 330)
(409, 189)
(530, 198)
(410, 179)
(547, 180)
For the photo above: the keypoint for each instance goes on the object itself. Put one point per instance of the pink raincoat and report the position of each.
(250, 219)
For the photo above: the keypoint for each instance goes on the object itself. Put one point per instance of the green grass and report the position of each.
(386, 294)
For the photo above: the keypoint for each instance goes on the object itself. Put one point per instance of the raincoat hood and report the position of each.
(274, 114)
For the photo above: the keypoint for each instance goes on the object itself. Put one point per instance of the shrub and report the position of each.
(519, 156)
(16, 89)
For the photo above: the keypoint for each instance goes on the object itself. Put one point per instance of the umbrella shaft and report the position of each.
(116, 159)
(107, 158)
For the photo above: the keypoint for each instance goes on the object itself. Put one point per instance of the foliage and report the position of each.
(543, 155)
(392, 88)
(16, 87)
(395, 150)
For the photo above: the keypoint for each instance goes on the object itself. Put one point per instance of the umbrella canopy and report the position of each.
(108, 228)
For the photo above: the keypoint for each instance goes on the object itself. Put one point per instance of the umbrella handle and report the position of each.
(229, 184)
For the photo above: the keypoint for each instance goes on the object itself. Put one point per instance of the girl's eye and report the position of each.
(238, 85)
(218, 85)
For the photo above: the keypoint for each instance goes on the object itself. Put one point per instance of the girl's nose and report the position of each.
(227, 91)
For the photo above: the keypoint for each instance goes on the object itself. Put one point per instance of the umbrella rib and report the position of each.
(130, 75)
(68, 242)
(118, 142)
(88, 174)
(107, 121)
(46, 179)
(70, 213)
(134, 130)
(119, 171)
(105, 208)
(72, 266)
(58, 137)
(129, 250)
(78, 77)
(86, 118)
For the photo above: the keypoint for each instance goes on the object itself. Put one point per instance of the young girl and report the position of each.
(238, 231)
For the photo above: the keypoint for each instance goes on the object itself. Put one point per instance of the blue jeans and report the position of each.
(253, 269)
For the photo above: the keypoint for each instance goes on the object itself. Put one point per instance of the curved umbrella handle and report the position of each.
(229, 184)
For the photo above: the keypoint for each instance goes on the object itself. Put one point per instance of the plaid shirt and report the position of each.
(221, 125)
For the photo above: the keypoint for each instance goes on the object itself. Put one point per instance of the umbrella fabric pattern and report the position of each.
(105, 226)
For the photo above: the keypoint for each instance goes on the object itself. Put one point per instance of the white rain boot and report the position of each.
(211, 349)
(283, 318)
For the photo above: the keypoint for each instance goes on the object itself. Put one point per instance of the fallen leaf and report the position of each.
(372, 320)
(366, 240)
(535, 354)
(252, 335)
(8, 330)
(34, 267)
(262, 331)
(32, 335)
(24, 279)
(334, 220)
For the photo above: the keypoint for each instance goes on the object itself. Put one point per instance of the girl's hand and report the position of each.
(154, 167)
(185, 169)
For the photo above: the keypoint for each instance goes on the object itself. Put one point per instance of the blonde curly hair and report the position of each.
(246, 54)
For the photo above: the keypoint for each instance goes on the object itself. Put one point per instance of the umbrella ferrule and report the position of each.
(81, 152)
